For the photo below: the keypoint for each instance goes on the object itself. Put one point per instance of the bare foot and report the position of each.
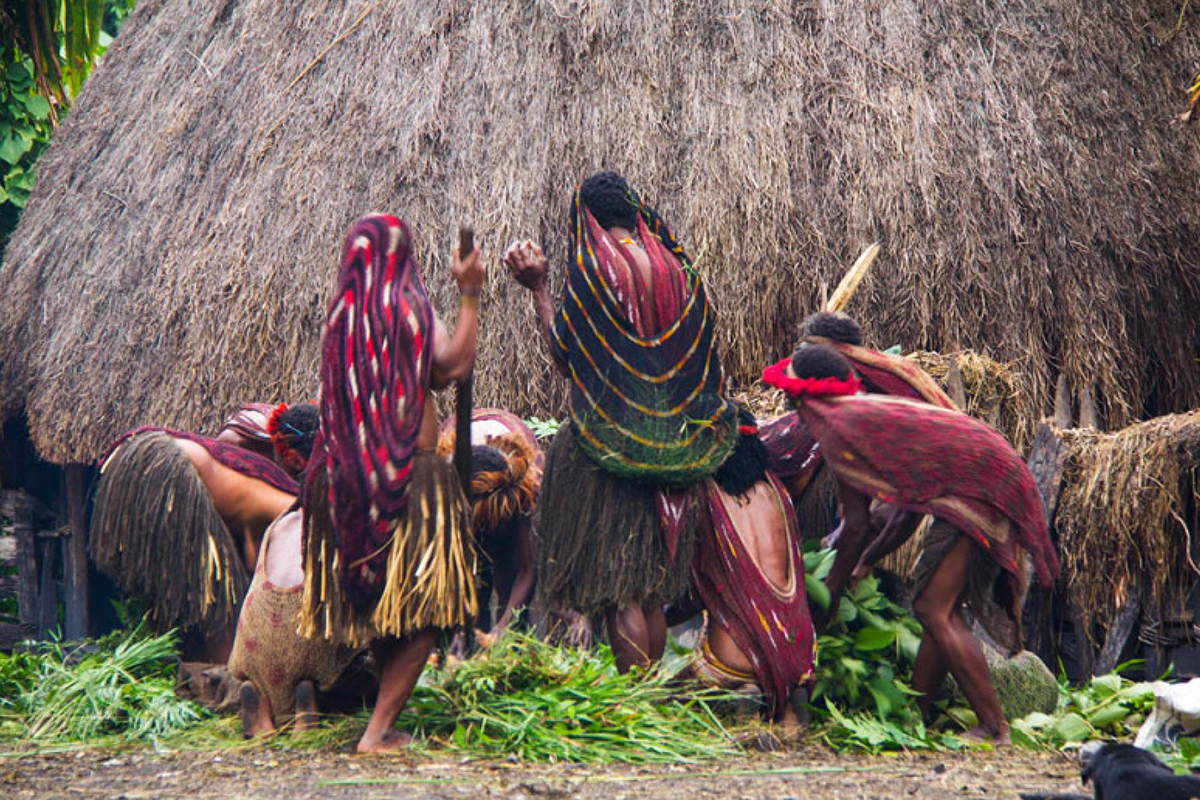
(256, 712)
(389, 742)
(306, 706)
(788, 723)
(982, 735)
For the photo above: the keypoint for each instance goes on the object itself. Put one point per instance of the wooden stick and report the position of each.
(463, 399)
(845, 290)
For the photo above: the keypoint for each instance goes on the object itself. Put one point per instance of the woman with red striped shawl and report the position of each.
(749, 576)
(387, 541)
(926, 459)
(621, 496)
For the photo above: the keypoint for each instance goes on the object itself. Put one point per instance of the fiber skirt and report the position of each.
(599, 539)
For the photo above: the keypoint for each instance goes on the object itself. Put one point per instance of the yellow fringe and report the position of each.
(430, 580)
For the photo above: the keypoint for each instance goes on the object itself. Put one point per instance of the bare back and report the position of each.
(247, 505)
(762, 528)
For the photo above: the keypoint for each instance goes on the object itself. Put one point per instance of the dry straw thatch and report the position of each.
(1017, 160)
(1128, 517)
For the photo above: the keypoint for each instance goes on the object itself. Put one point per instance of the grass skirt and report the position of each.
(430, 563)
(157, 534)
(599, 540)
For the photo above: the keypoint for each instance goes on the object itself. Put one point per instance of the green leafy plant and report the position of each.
(543, 428)
(1106, 707)
(525, 698)
(25, 130)
(122, 685)
(864, 665)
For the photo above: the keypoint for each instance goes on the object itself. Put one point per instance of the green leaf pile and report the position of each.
(864, 666)
(1106, 707)
(525, 698)
(122, 685)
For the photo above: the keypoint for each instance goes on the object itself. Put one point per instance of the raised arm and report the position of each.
(454, 354)
(527, 265)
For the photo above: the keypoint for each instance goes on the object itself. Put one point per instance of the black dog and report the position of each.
(1125, 772)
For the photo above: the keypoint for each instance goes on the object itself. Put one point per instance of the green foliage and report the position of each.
(543, 428)
(538, 702)
(864, 665)
(122, 685)
(47, 50)
(1106, 707)
(25, 130)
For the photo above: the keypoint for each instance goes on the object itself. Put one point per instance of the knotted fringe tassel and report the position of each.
(431, 564)
(325, 612)
(157, 534)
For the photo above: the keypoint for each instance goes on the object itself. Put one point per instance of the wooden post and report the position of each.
(1087, 408)
(1062, 402)
(1047, 458)
(27, 570)
(75, 560)
(955, 389)
(1119, 632)
(48, 543)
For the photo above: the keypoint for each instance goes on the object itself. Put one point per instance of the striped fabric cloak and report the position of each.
(939, 462)
(384, 524)
(646, 395)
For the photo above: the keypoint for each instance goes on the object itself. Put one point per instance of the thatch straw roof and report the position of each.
(1018, 161)
(1128, 516)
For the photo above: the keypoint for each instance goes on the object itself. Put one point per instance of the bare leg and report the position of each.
(939, 609)
(306, 706)
(630, 636)
(257, 719)
(928, 672)
(401, 662)
(656, 627)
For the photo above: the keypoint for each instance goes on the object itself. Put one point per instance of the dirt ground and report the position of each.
(809, 772)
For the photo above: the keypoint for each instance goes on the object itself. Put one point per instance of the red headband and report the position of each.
(780, 376)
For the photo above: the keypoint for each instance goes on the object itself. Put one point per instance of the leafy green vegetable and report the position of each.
(538, 702)
(864, 664)
(121, 685)
(1106, 707)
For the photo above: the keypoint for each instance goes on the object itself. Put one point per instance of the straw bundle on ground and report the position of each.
(1128, 518)
(1017, 160)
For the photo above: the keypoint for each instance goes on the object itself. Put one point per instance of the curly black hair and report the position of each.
(833, 325)
(485, 458)
(611, 201)
(820, 361)
(298, 426)
(747, 464)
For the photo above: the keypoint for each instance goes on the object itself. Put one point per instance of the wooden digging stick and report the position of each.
(845, 290)
(463, 400)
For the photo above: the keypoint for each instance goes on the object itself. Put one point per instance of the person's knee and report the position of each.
(931, 611)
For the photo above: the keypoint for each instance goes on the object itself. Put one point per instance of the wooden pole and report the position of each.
(463, 399)
(845, 290)
(27, 571)
(75, 560)
(1062, 402)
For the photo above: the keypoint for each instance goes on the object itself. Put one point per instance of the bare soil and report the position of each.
(808, 772)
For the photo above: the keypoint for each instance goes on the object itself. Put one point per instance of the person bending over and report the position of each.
(926, 459)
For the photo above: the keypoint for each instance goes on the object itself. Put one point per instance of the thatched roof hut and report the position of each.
(1018, 160)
